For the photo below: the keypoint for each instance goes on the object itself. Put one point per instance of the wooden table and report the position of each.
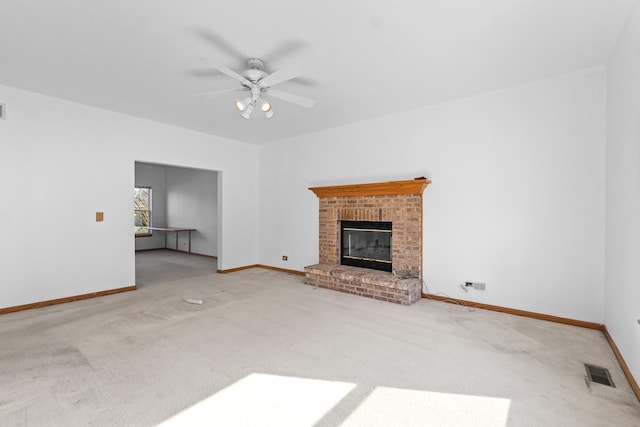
(176, 230)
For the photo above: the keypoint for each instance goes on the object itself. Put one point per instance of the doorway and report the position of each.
(183, 198)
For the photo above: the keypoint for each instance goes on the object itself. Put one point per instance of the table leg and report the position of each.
(189, 241)
(177, 249)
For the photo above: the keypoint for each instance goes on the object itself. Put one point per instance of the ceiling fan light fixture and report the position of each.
(247, 111)
(265, 106)
(243, 105)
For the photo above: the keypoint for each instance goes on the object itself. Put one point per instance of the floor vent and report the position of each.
(599, 375)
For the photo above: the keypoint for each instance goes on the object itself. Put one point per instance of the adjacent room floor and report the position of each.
(263, 349)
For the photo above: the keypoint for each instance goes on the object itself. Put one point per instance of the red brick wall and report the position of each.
(403, 211)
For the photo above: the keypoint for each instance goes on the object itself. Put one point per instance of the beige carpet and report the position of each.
(265, 350)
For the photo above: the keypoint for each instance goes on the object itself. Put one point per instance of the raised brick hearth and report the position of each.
(399, 202)
(364, 282)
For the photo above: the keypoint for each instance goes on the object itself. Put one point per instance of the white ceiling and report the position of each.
(361, 58)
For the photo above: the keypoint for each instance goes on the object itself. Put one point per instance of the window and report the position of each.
(142, 210)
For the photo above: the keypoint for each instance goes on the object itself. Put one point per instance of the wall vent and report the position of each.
(599, 375)
(2, 111)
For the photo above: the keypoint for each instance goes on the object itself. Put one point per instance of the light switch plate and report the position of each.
(99, 216)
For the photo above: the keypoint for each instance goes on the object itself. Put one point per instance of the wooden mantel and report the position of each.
(412, 186)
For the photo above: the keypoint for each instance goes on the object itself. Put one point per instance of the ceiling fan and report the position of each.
(258, 83)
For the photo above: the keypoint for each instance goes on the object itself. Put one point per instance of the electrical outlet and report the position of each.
(479, 286)
(99, 216)
(285, 258)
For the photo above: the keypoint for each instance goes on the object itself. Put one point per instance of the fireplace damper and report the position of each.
(366, 244)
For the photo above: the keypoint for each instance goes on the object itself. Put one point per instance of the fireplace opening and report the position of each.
(366, 244)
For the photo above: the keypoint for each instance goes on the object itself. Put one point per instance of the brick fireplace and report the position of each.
(397, 202)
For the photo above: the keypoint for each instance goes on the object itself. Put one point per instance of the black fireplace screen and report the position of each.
(366, 244)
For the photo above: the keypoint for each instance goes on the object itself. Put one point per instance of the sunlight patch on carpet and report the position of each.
(265, 400)
(387, 406)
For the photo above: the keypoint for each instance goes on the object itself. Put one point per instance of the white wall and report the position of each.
(517, 198)
(153, 176)
(61, 162)
(192, 203)
(622, 303)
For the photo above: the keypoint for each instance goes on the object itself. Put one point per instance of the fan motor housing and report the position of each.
(255, 63)
(253, 75)
(254, 71)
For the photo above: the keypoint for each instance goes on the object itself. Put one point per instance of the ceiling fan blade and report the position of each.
(229, 72)
(290, 97)
(221, 43)
(286, 49)
(206, 72)
(305, 81)
(217, 92)
(282, 75)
